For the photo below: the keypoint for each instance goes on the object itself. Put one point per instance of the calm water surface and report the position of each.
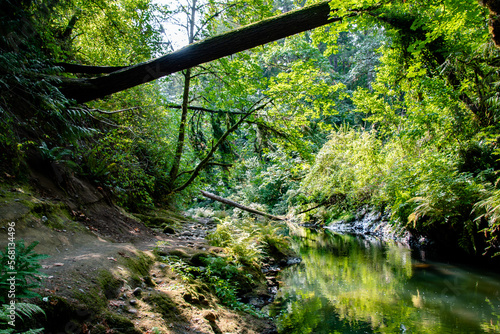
(348, 284)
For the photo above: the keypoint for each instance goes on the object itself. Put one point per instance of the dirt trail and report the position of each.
(87, 236)
(87, 254)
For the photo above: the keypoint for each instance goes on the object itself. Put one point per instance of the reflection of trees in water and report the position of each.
(351, 285)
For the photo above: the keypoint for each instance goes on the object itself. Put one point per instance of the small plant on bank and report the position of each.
(25, 266)
(20, 262)
(23, 311)
(247, 240)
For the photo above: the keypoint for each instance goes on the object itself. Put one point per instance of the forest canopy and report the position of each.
(392, 105)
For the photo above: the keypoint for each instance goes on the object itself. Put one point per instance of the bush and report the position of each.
(248, 241)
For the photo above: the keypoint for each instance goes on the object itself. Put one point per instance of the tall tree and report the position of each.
(191, 11)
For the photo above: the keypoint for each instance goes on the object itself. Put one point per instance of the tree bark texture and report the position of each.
(239, 206)
(265, 31)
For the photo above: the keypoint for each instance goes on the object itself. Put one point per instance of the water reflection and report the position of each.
(348, 284)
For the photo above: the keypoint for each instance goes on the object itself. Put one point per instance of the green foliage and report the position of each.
(270, 181)
(133, 150)
(246, 240)
(416, 81)
(239, 242)
(18, 276)
(489, 206)
(32, 108)
(23, 312)
(115, 161)
(421, 189)
(23, 261)
(222, 276)
(226, 290)
(106, 32)
(430, 105)
(493, 326)
(55, 153)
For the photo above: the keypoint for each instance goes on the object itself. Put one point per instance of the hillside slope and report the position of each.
(104, 273)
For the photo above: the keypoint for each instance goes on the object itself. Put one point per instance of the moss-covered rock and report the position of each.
(110, 285)
(180, 253)
(162, 304)
(168, 230)
(162, 219)
(93, 300)
(139, 264)
(120, 324)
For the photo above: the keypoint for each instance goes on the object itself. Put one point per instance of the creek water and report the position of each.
(349, 284)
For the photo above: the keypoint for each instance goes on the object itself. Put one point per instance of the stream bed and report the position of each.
(353, 284)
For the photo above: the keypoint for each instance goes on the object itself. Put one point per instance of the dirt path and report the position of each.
(101, 276)
(87, 254)
(76, 271)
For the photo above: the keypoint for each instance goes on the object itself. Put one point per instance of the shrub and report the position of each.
(247, 240)
(23, 311)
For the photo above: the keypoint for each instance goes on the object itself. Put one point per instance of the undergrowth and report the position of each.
(19, 275)
(20, 262)
(247, 241)
(221, 275)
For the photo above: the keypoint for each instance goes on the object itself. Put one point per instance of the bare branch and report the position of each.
(206, 160)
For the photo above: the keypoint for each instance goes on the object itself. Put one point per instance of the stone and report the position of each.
(210, 316)
(168, 230)
(137, 292)
(188, 297)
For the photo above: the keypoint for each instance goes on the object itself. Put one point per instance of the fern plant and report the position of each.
(23, 265)
(490, 205)
(23, 312)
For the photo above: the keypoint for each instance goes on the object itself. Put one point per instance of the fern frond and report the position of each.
(23, 311)
(28, 310)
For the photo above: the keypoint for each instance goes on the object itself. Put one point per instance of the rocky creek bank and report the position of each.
(437, 242)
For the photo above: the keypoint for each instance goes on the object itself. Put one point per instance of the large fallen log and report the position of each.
(239, 206)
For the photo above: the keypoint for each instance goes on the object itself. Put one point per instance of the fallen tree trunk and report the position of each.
(262, 32)
(88, 69)
(239, 206)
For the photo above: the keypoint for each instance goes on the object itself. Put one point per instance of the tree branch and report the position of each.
(206, 160)
(174, 106)
(208, 164)
(239, 206)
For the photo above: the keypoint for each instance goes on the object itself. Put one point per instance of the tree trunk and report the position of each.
(239, 206)
(88, 69)
(182, 129)
(265, 31)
